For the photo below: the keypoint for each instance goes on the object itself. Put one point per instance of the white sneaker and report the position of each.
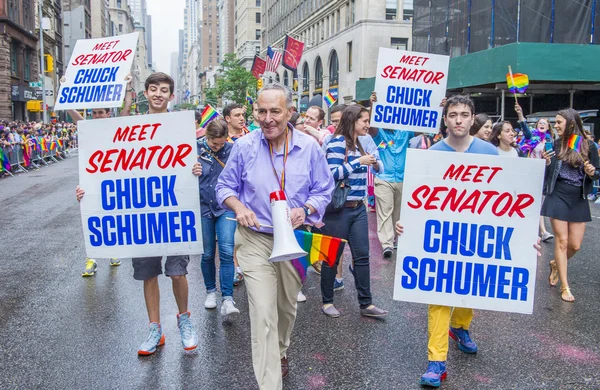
(546, 236)
(211, 300)
(228, 307)
(301, 297)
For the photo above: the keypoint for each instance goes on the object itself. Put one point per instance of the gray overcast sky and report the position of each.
(167, 20)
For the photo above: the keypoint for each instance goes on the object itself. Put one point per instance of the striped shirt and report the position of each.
(352, 169)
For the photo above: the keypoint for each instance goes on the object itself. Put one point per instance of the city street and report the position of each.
(59, 330)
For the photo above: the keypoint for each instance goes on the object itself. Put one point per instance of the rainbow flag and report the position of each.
(4, 163)
(517, 83)
(318, 247)
(27, 154)
(52, 145)
(575, 142)
(208, 114)
(384, 145)
(329, 99)
(249, 98)
(44, 144)
(60, 143)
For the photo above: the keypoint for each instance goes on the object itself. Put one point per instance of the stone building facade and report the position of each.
(18, 57)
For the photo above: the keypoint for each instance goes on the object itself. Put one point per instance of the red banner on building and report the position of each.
(258, 66)
(293, 53)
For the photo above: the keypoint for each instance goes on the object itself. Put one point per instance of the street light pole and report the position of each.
(42, 65)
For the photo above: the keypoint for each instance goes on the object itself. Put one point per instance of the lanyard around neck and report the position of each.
(285, 156)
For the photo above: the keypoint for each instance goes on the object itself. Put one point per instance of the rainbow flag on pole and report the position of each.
(575, 142)
(517, 82)
(318, 247)
(329, 99)
(208, 114)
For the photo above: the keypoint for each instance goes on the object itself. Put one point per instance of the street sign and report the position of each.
(35, 84)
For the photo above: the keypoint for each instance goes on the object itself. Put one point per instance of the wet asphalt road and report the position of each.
(61, 331)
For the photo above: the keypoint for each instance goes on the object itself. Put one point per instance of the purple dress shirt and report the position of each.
(249, 176)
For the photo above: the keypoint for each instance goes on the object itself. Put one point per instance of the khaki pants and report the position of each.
(388, 198)
(439, 321)
(272, 297)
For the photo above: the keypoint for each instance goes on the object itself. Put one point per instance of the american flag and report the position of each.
(273, 59)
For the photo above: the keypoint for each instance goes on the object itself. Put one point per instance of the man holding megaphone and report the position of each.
(266, 168)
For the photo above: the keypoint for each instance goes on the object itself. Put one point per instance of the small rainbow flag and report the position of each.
(384, 144)
(52, 145)
(517, 82)
(60, 143)
(318, 247)
(575, 142)
(208, 114)
(249, 98)
(329, 99)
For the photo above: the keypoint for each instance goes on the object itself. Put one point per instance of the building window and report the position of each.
(27, 67)
(258, 3)
(120, 28)
(318, 74)
(353, 11)
(14, 63)
(258, 17)
(257, 34)
(338, 17)
(305, 77)
(334, 69)
(399, 43)
(349, 57)
(118, 3)
(285, 78)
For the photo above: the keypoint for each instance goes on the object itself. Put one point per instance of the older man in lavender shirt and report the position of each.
(276, 158)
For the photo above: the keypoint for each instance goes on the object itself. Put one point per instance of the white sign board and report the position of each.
(141, 198)
(410, 87)
(95, 75)
(470, 223)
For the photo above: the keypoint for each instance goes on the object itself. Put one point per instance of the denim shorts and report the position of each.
(145, 268)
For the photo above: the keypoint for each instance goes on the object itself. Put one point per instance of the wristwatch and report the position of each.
(307, 210)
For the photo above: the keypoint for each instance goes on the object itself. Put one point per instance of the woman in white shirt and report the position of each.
(503, 138)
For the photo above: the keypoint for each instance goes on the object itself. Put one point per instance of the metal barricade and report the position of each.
(15, 157)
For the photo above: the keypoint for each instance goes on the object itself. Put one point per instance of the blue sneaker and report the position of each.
(155, 339)
(338, 286)
(435, 374)
(189, 338)
(463, 339)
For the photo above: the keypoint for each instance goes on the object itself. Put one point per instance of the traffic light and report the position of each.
(259, 83)
(48, 63)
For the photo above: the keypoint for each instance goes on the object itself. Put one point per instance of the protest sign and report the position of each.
(95, 75)
(470, 223)
(141, 198)
(410, 87)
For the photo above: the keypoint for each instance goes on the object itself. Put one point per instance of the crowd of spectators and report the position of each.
(23, 144)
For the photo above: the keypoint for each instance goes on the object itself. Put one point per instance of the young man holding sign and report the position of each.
(444, 321)
(159, 92)
(103, 113)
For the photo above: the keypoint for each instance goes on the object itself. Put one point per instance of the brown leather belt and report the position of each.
(352, 204)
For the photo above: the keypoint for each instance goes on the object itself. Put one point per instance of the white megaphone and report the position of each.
(285, 245)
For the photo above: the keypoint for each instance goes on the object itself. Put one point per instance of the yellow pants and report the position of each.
(439, 322)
